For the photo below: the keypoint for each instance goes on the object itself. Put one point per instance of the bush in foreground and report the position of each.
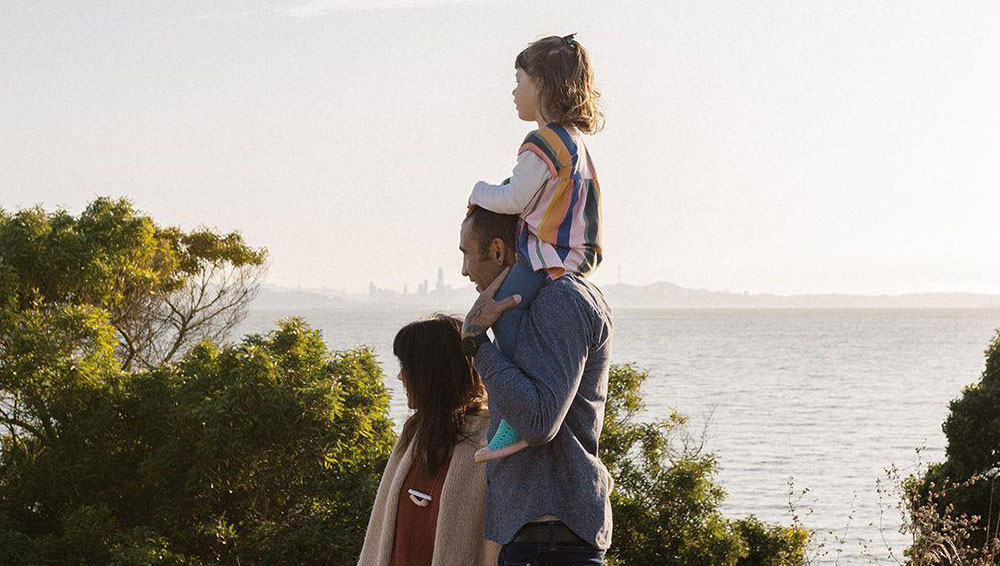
(666, 499)
(953, 510)
(266, 452)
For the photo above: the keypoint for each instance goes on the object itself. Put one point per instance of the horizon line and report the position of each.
(995, 292)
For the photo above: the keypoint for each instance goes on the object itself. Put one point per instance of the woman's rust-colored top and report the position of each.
(416, 525)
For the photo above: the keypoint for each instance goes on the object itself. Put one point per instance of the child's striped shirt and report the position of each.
(554, 190)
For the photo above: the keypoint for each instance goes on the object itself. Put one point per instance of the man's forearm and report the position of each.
(535, 394)
(518, 398)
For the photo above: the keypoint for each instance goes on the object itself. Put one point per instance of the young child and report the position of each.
(553, 188)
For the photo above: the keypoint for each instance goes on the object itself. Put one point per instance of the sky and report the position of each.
(774, 146)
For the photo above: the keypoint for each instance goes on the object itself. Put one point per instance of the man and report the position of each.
(549, 503)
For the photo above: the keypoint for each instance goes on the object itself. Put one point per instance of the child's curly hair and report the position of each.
(561, 68)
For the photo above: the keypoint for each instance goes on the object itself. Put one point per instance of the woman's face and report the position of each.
(409, 398)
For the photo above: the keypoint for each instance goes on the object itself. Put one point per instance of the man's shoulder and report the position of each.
(575, 289)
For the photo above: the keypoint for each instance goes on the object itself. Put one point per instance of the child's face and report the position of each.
(526, 97)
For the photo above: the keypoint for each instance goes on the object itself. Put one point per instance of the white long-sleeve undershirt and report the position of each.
(528, 176)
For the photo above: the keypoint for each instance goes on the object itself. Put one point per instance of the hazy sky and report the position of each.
(789, 147)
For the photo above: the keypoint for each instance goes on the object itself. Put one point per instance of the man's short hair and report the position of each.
(488, 226)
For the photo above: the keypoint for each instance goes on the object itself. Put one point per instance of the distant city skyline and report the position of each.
(658, 295)
(774, 147)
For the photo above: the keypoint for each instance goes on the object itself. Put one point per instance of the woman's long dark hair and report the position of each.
(441, 383)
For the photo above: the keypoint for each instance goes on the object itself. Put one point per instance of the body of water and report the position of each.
(828, 398)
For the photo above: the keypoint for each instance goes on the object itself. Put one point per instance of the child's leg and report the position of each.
(524, 281)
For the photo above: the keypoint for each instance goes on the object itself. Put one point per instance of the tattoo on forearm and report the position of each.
(469, 326)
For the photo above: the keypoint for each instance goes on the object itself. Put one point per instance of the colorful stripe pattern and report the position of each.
(561, 226)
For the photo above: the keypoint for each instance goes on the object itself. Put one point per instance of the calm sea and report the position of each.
(828, 398)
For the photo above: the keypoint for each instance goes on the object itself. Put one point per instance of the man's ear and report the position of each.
(498, 250)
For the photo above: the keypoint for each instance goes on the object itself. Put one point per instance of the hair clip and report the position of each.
(568, 40)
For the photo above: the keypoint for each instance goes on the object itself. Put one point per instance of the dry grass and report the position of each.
(939, 535)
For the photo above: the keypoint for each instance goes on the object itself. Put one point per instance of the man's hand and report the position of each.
(485, 311)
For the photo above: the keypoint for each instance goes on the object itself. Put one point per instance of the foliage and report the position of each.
(771, 545)
(954, 508)
(939, 533)
(266, 452)
(128, 437)
(163, 289)
(666, 500)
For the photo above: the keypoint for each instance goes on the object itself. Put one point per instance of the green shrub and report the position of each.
(771, 545)
(956, 504)
(666, 499)
(127, 438)
(266, 452)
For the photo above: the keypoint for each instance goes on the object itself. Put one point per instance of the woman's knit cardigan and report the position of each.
(458, 540)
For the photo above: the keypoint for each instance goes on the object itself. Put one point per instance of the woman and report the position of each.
(429, 506)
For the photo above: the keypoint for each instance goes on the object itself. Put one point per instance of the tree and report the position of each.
(129, 436)
(666, 500)
(961, 495)
(265, 452)
(163, 289)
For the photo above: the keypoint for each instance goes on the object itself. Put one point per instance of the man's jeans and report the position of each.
(549, 554)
